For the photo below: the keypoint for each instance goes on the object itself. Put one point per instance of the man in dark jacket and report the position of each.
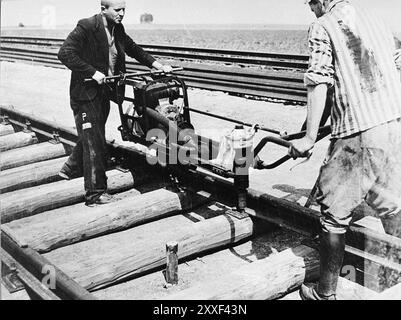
(95, 49)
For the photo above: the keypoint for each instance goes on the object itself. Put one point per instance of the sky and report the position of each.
(51, 13)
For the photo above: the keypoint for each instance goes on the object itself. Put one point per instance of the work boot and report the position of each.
(64, 175)
(331, 250)
(103, 199)
(67, 173)
(308, 292)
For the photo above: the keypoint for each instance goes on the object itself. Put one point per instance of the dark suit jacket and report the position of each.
(86, 51)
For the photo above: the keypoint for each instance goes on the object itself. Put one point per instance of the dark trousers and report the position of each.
(89, 156)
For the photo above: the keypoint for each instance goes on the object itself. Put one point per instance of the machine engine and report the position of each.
(156, 106)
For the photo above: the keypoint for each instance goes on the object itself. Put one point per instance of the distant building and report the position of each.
(397, 43)
(146, 18)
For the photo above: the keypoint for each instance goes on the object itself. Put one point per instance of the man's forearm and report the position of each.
(316, 103)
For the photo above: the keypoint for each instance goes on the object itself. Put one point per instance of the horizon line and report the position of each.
(173, 24)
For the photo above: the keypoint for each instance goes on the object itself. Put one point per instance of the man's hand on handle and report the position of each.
(301, 148)
(99, 77)
(165, 68)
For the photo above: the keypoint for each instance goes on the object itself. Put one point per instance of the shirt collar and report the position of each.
(106, 26)
(334, 3)
(105, 23)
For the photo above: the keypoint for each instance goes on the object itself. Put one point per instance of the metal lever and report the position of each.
(283, 141)
(134, 75)
(275, 140)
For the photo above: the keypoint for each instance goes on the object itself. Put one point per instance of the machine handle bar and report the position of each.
(134, 75)
(261, 165)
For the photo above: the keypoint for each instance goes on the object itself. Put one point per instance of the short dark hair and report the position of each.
(105, 3)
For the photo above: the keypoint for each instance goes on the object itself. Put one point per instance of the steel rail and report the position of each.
(243, 53)
(283, 79)
(278, 92)
(249, 74)
(208, 83)
(232, 59)
(35, 289)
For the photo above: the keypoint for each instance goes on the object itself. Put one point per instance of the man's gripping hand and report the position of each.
(165, 68)
(99, 77)
(301, 148)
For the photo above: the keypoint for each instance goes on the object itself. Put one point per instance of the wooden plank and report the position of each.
(17, 140)
(29, 281)
(102, 261)
(6, 129)
(266, 241)
(31, 175)
(54, 229)
(266, 279)
(39, 152)
(11, 234)
(28, 202)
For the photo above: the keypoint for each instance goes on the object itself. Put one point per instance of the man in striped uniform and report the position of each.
(352, 51)
(317, 8)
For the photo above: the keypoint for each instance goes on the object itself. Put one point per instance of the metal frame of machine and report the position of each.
(148, 87)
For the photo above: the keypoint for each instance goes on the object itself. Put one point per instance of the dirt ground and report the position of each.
(43, 91)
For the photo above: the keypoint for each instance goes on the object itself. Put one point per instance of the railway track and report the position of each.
(250, 74)
(49, 237)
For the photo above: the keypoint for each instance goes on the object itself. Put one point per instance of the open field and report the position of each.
(278, 39)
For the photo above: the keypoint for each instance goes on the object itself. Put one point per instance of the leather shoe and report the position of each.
(64, 175)
(103, 199)
(68, 175)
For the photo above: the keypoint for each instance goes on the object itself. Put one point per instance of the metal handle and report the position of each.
(283, 141)
(275, 140)
(134, 75)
